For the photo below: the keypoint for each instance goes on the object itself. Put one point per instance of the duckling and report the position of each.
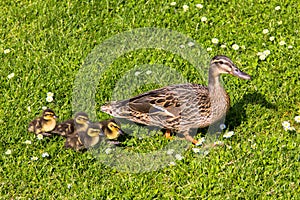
(92, 136)
(180, 108)
(111, 129)
(68, 127)
(44, 124)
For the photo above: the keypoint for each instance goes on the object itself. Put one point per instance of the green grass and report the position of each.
(49, 42)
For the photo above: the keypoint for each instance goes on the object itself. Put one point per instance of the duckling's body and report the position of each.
(92, 136)
(111, 129)
(68, 127)
(179, 108)
(44, 124)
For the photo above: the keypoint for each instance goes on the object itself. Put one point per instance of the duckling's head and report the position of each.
(223, 65)
(112, 130)
(81, 118)
(49, 114)
(94, 131)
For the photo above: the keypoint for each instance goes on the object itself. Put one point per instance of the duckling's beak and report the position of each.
(237, 72)
(55, 116)
(121, 132)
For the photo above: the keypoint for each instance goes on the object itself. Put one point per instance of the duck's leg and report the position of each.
(168, 134)
(190, 138)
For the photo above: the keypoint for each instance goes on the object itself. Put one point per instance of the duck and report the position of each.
(71, 126)
(91, 137)
(111, 129)
(181, 107)
(45, 124)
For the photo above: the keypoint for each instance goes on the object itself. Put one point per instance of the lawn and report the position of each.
(90, 52)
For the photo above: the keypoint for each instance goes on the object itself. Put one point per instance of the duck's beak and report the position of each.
(55, 116)
(121, 132)
(237, 72)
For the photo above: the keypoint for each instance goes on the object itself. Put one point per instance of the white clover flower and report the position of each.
(262, 56)
(50, 94)
(148, 72)
(10, 76)
(137, 73)
(228, 134)
(222, 126)
(173, 3)
(235, 47)
(49, 99)
(199, 5)
(277, 8)
(69, 186)
(108, 150)
(170, 151)
(178, 157)
(45, 154)
(272, 38)
(185, 8)
(172, 164)
(34, 158)
(6, 51)
(223, 46)
(282, 43)
(203, 19)
(196, 150)
(209, 49)
(40, 136)
(8, 152)
(215, 41)
(290, 47)
(259, 53)
(27, 142)
(28, 109)
(190, 44)
(265, 31)
(297, 119)
(266, 52)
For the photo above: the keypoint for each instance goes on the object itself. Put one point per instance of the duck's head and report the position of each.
(111, 129)
(49, 114)
(223, 65)
(81, 118)
(94, 131)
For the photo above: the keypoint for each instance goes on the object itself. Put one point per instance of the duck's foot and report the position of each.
(168, 134)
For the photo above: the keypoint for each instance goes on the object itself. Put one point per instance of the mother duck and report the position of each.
(179, 108)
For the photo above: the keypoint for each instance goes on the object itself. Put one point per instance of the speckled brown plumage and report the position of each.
(180, 107)
(44, 124)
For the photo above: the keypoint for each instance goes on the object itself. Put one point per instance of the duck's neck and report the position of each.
(214, 84)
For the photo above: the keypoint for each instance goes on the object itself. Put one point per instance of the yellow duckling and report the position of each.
(44, 124)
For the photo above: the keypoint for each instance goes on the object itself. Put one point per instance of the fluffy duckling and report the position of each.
(44, 124)
(111, 129)
(69, 127)
(91, 137)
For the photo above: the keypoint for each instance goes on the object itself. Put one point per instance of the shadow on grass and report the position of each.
(237, 113)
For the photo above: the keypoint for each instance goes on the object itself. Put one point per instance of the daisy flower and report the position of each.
(235, 47)
(297, 119)
(178, 157)
(203, 19)
(228, 134)
(172, 164)
(69, 186)
(290, 47)
(50, 94)
(40, 136)
(173, 3)
(266, 52)
(277, 8)
(265, 31)
(8, 152)
(196, 150)
(223, 46)
(45, 154)
(272, 38)
(10, 76)
(215, 41)
(27, 142)
(49, 99)
(34, 158)
(281, 43)
(108, 150)
(6, 51)
(209, 49)
(199, 6)
(185, 8)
